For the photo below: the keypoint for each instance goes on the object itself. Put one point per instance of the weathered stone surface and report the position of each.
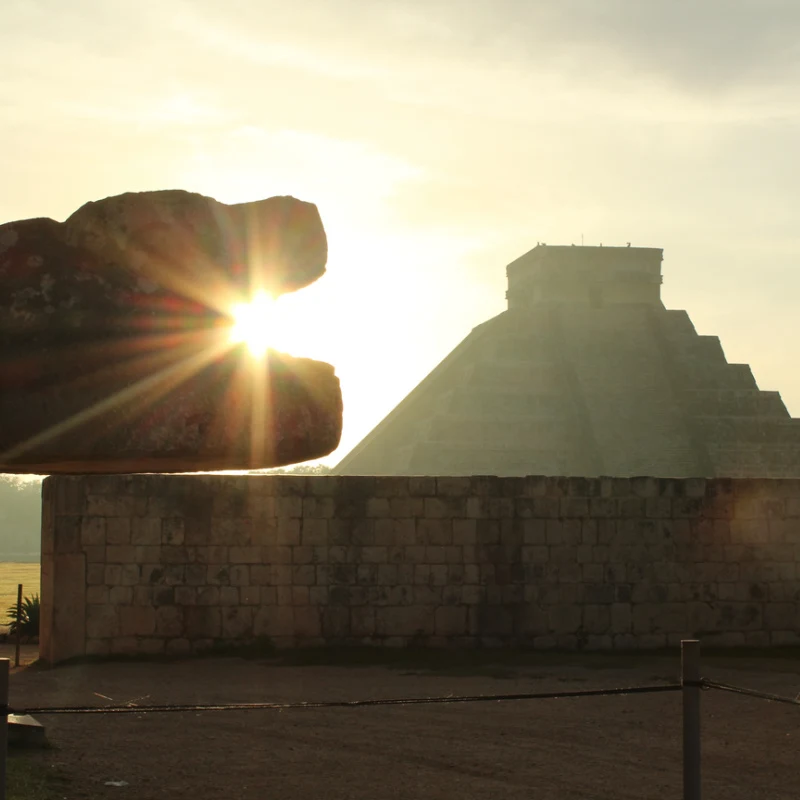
(114, 346)
(258, 559)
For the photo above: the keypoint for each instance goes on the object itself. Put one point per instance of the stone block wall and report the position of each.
(176, 564)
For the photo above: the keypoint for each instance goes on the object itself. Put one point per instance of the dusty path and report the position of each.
(616, 747)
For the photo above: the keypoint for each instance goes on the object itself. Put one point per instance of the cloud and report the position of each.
(700, 45)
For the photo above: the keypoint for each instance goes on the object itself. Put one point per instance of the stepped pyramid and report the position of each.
(585, 374)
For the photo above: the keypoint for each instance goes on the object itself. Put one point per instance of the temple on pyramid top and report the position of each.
(585, 374)
(588, 275)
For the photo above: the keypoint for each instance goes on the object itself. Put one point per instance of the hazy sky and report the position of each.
(440, 139)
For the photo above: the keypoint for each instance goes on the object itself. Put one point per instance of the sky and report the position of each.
(440, 140)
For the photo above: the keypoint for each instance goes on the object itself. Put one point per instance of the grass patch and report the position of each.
(11, 574)
(30, 777)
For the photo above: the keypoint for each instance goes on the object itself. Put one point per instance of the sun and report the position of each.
(253, 324)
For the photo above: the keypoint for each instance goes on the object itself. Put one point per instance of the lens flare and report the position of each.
(253, 324)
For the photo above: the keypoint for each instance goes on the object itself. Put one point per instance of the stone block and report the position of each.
(451, 621)
(245, 555)
(374, 555)
(98, 647)
(444, 508)
(362, 621)
(162, 595)
(208, 596)
(174, 555)
(376, 507)
(151, 646)
(781, 616)
(287, 531)
(124, 646)
(464, 532)
(237, 622)
(592, 573)
(405, 620)
(439, 574)
(597, 619)
(307, 622)
(535, 554)
(631, 507)
(225, 531)
(303, 555)
(290, 506)
(95, 574)
(102, 622)
(169, 621)
(229, 596)
(406, 507)
(93, 531)
(137, 621)
(422, 487)
(121, 595)
(564, 554)
(335, 623)
(211, 554)
(574, 507)
(652, 641)
(145, 595)
(318, 595)
(202, 622)
(67, 535)
(97, 595)
(148, 554)
(724, 639)
(268, 595)
(260, 574)
(304, 575)
(249, 595)
(186, 595)
(792, 507)
(314, 531)
(290, 485)
(453, 487)
(172, 531)
(300, 595)
(621, 617)
(434, 531)
(789, 638)
(657, 618)
(658, 507)
(564, 618)
(145, 530)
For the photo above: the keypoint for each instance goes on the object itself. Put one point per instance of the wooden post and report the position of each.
(19, 617)
(690, 677)
(5, 667)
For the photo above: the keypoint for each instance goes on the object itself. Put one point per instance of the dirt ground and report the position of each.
(609, 747)
(28, 653)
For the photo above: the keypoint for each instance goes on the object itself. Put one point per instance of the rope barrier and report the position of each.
(448, 699)
(703, 683)
(726, 687)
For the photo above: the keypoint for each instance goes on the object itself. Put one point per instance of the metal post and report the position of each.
(19, 619)
(690, 678)
(5, 668)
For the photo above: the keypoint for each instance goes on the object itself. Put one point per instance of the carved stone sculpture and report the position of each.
(114, 346)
